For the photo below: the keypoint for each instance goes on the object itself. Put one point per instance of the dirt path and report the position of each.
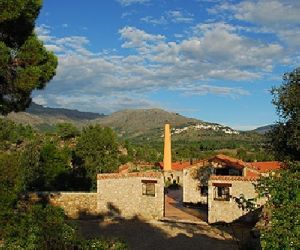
(156, 235)
(174, 208)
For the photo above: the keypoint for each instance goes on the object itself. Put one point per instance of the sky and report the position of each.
(207, 59)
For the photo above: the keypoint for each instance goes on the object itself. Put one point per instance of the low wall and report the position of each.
(75, 205)
(229, 210)
(121, 195)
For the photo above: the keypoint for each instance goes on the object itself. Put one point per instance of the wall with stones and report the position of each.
(229, 211)
(193, 179)
(75, 204)
(121, 195)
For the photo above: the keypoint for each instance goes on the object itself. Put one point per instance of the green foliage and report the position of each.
(37, 166)
(45, 164)
(45, 227)
(285, 136)
(13, 134)
(25, 64)
(283, 190)
(38, 227)
(11, 181)
(98, 148)
(67, 131)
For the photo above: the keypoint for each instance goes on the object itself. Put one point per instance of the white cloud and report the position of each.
(209, 89)
(95, 103)
(130, 2)
(271, 13)
(178, 16)
(273, 17)
(154, 21)
(107, 80)
(39, 99)
(136, 38)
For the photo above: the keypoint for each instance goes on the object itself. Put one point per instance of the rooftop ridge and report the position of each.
(126, 175)
(233, 178)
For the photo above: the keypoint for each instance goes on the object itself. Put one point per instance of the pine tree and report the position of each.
(25, 64)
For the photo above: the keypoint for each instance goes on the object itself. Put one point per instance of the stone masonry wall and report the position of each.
(75, 205)
(121, 195)
(192, 182)
(228, 211)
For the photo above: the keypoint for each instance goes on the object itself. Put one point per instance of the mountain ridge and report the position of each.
(128, 123)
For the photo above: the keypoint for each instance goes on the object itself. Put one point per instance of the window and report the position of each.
(204, 190)
(222, 191)
(148, 187)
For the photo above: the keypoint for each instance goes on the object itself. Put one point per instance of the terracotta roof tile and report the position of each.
(233, 178)
(126, 175)
(252, 173)
(180, 165)
(230, 161)
(266, 166)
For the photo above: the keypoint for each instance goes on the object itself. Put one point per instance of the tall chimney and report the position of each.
(167, 149)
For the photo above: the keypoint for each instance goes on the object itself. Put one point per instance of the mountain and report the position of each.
(263, 129)
(44, 118)
(134, 123)
(36, 109)
(150, 123)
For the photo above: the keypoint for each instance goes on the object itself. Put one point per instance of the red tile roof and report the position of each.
(233, 178)
(266, 166)
(180, 165)
(126, 175)
(252, 173)
(230, 161)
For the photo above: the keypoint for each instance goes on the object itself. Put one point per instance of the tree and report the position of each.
(66, 130)
(25, 64)
(98, 148)
(285, 136)
(45, 165)
(282, 188)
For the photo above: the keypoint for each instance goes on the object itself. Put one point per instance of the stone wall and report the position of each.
(193, 179)
(121, 195)
(229, 211)
(75, 204)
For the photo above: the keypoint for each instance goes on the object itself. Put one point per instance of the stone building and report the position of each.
(226, 195)
(222, 183)
(131, 194)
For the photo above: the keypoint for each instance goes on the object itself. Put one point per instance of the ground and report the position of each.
(139, 234)
(175, 210)
(182, 228)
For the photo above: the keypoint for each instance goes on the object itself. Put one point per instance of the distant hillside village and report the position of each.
(222, 186)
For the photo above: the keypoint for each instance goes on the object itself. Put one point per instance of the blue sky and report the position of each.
(208, 59)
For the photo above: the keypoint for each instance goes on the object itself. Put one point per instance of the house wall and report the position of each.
(74, 204)
(228, 211)
(193, 178)
(121, 195)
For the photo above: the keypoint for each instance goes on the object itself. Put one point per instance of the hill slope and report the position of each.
(263, 129)
(71, 114)
(141, 121)
(137, 123)
(44, 118)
